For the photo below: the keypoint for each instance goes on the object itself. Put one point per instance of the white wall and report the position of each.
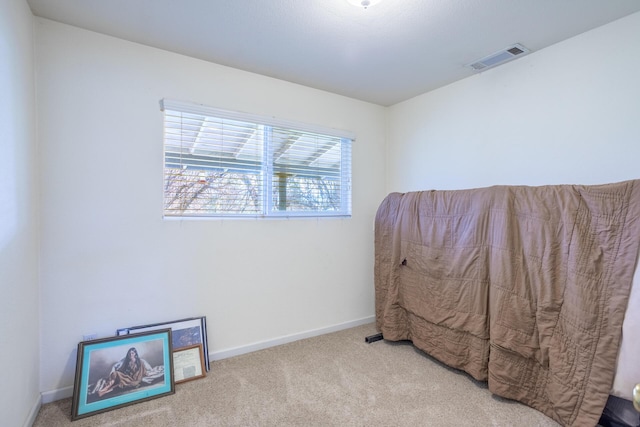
(569, 114)
(108, 258)
(19, 303)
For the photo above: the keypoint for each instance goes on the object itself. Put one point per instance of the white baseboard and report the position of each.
(237, 351)
(53, 395)
(63, 393)
(34, 412)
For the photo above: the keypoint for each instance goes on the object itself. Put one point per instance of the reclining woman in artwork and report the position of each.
(130, 372)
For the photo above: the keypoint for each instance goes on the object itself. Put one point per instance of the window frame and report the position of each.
(346, 176)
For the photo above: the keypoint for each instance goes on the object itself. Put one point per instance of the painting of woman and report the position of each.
(128, 373)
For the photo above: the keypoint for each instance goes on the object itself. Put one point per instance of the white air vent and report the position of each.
(505, 55)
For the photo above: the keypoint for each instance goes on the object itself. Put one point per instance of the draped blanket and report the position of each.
(523, 287)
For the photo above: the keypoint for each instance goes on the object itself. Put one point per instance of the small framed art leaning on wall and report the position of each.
(123, 370)
(188, 363)
(184, 333)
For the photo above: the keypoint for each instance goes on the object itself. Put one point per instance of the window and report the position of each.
(220, 163)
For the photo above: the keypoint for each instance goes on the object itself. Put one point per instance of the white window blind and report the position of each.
(223, 163)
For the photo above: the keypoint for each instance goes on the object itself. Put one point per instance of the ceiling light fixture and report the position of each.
(363, 3)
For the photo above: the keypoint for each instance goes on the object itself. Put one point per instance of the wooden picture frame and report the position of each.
(185, 333)
(188, 364)
(119, 371)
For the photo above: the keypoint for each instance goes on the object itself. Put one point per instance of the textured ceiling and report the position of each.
(388, 53)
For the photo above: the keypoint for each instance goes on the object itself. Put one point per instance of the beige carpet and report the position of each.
(331, 380)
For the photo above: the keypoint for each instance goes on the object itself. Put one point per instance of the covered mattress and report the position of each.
(627, 373)
(524, 287)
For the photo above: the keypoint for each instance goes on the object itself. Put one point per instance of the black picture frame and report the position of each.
(104, 380)
(185, 333)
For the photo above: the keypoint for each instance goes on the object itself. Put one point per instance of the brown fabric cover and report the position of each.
(525, 287)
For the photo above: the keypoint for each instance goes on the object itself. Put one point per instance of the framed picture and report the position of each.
(184, 333)
(188, 364)
(122, 370)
